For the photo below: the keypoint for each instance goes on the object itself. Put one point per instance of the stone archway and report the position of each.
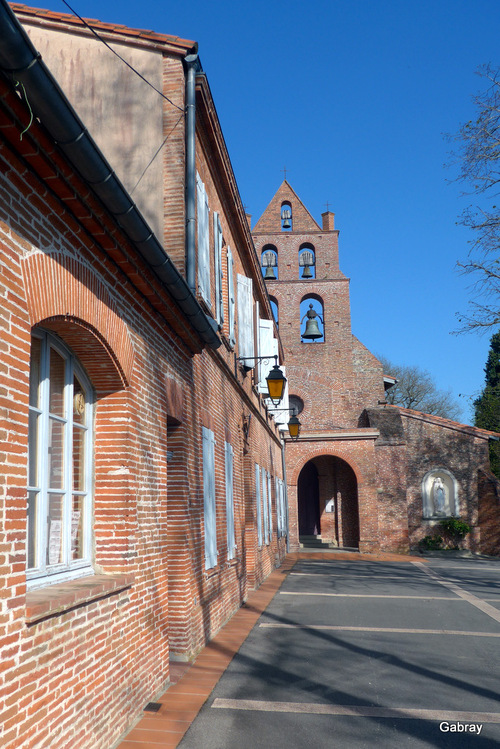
(327, 501)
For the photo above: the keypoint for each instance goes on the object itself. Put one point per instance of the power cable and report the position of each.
(120, 57)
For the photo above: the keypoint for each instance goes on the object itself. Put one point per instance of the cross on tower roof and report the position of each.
(284, 170)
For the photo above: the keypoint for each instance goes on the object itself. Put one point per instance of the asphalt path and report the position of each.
(355, 654)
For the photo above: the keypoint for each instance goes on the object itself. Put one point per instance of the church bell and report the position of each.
(306, 273)
(286, 216)
(312, 330)
(270, 273)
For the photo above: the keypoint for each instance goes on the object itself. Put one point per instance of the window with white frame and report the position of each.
(231, 543)
(209, 511)
(60, 464)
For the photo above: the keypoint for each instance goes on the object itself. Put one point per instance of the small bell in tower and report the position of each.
(306, 261)
(312, 331)
(269, 262)
(286, 218)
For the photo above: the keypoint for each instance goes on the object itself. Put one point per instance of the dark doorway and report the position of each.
(308, 499)
(327, 499)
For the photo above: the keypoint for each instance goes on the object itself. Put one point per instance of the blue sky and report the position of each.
(354, 98)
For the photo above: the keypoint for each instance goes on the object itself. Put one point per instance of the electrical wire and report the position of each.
(156, 153)
(121, 58)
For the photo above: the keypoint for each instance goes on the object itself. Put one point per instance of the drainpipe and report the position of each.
(192, 65)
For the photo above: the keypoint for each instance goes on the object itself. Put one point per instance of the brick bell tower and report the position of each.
(332, 377)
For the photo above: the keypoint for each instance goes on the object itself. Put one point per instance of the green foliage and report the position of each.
(454, 530)
(431, 543)
(455, 527)
(487, 406)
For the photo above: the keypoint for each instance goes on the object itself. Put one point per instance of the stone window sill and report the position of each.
(56, 599)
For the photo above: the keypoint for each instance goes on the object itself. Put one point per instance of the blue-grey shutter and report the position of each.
(264, 506)
(230, 297)
(270, 506)
(259, 509)
(203, 240)
(246, 340)
(278, 505)
(209, 498)
(219, 301)
(228, 450)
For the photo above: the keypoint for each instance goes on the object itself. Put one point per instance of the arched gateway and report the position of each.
(327, 502)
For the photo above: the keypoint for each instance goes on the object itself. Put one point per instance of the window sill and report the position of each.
(56, 599)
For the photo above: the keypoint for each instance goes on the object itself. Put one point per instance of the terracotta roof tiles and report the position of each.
(50, 16)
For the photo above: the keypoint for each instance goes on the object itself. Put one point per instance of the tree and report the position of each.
(487, 406)
(478, 158)
(416, 389)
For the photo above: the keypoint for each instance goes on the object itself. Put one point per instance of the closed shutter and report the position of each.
(278, 505)
(270, 506)
(203, 241)
(219, 302)
(265, 507)
(229, 501)
(259, 508)
(209, 498)
(230, 297)
(246, 341)
(268, 347)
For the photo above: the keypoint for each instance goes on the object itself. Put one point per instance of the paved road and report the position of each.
(355, 654)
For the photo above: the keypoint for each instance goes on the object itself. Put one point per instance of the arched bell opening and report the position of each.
(327, 499)
(312, 321)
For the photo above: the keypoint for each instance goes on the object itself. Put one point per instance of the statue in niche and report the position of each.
(438, 496)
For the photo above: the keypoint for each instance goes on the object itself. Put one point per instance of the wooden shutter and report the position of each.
(268, 346)
(209, 513)
(278, 505)
(270, 506)
(203, 241)
(246, 342)
(219, 301)
(264, 506)
(230, 297)
(259, 509)
(228, 450)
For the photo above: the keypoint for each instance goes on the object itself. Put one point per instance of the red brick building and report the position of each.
(362, 474)
(141, 482)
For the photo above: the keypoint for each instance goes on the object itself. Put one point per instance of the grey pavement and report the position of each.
(355, 654)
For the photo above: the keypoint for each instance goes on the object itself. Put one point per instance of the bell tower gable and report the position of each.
(286, 212)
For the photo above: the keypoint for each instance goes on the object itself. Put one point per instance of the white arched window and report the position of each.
(60, 440)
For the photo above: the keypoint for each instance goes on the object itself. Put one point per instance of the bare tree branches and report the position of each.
(478, 159)
(416, 389)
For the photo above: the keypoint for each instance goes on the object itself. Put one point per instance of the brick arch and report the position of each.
(69, 298)
(318, 452)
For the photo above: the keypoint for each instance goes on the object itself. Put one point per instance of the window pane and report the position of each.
(77, 528)
(56, 445)
(33, 475)
(55, 529)
(79, 402)
(36, 346)
(57, 380)
(79, 459)
(33, 504)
